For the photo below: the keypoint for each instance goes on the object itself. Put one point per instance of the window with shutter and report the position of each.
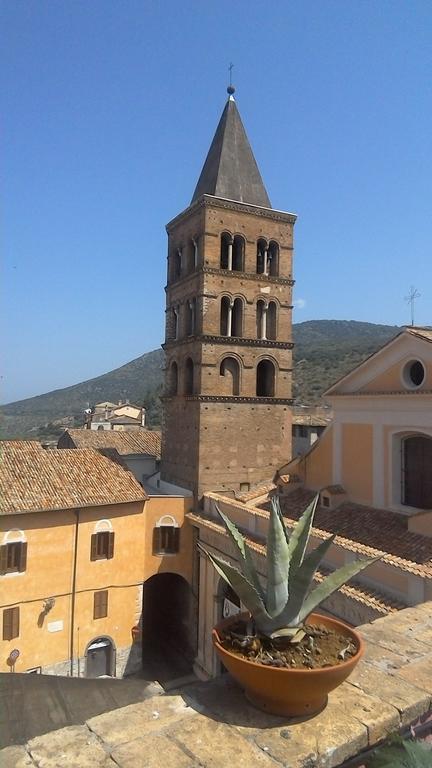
(13, 557)
(166, 540)
(102, 546)
(10, 623)
(100, 604)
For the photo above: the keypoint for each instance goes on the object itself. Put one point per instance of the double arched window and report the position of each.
(230, 370)
(267, 262)
(266, 319)
(232, 252)
(231, 317)
(265, 379)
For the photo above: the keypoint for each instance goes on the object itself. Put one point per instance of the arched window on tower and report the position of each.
(190, 317)
(230, 370)
(177, 263)
(261, 319)
(271, 320)
(173, 323)
(173, 379)
(225, 316)
(226, 250)
(261, 265)
(189, 377)
(237, 318)
(265, 381)
(238, 249)
(273, 259)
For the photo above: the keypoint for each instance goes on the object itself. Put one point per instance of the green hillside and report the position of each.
(324, 351)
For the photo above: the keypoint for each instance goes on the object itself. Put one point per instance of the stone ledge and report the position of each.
(209, 725)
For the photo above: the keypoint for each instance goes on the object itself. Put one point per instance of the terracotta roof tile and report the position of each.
(366, 530)
(137, 441)
(22, 445)
(31, 480)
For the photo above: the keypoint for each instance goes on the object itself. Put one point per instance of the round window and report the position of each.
(414, 374)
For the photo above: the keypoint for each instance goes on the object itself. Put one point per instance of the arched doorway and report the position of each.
(169, 627)
(100, 658)
(417, 471)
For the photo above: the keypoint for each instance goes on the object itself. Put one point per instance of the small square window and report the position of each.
(11, 622)
(166, 540)
(325, 501)
(244, 487)
(102, 546)
(13, 557)
(100, 604)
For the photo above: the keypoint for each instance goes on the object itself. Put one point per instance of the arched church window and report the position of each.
(189, 377)
(273, 259)
(230, 370)
(416, 471)
(261, 262)
(237, 318)
(271, 321)
(238, 249)
(261, 319)
(225, 316)
(173, 379)
(265, 379)
(190, 317)
(226, 250)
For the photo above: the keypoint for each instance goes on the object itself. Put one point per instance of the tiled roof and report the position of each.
(423, 333)
(363, 594)
(139, 441)
(32, 481)
(368, 531)
(257, 492)
(310, 420)
(22, 445)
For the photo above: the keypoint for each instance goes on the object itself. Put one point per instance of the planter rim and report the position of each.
(290, 670)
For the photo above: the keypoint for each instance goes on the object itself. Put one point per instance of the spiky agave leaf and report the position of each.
(301, 583)
(243, 588)
(238, 540)
(275, 503)
(277, 564)
(300, 537)
(332, 583)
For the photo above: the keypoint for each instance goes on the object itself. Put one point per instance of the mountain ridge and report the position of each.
(324, 350)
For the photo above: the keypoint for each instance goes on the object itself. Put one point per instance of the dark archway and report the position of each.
(100, 658)
(265, 382)
(169, 627)
(189, 377)
(417, 471)
(230, 369)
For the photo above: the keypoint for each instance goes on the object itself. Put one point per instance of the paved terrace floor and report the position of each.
(210, 725)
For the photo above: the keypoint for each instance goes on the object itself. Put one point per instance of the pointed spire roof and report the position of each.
(230, 169)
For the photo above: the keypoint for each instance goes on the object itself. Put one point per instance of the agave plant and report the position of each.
(280, 609)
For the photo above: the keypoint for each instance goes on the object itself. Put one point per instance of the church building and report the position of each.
(228, 343)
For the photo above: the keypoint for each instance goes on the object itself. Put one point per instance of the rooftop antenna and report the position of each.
(410, 299)
(230, 89)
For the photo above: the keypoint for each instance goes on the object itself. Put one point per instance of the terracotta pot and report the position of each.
(288, 692)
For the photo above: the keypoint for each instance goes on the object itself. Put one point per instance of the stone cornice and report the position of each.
(272, 280)
(209, 201)
(232, 399)
(229, 340)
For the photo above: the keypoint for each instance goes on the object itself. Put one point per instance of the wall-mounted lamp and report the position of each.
(48, 604)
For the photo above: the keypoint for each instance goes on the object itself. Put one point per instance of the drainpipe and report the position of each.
(74, 573)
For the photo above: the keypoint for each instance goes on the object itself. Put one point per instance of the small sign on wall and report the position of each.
(55, 626)
(229, 608)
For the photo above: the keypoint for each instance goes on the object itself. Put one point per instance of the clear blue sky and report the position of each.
(109, 109)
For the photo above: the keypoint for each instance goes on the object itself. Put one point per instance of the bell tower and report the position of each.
(228, 345)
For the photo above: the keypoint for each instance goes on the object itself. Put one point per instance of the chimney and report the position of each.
(143, 417)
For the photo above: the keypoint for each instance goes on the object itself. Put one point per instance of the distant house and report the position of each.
(307, 426)
(139, 450)
(124, 416)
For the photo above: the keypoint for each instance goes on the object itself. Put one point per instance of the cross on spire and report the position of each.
(230, 88)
